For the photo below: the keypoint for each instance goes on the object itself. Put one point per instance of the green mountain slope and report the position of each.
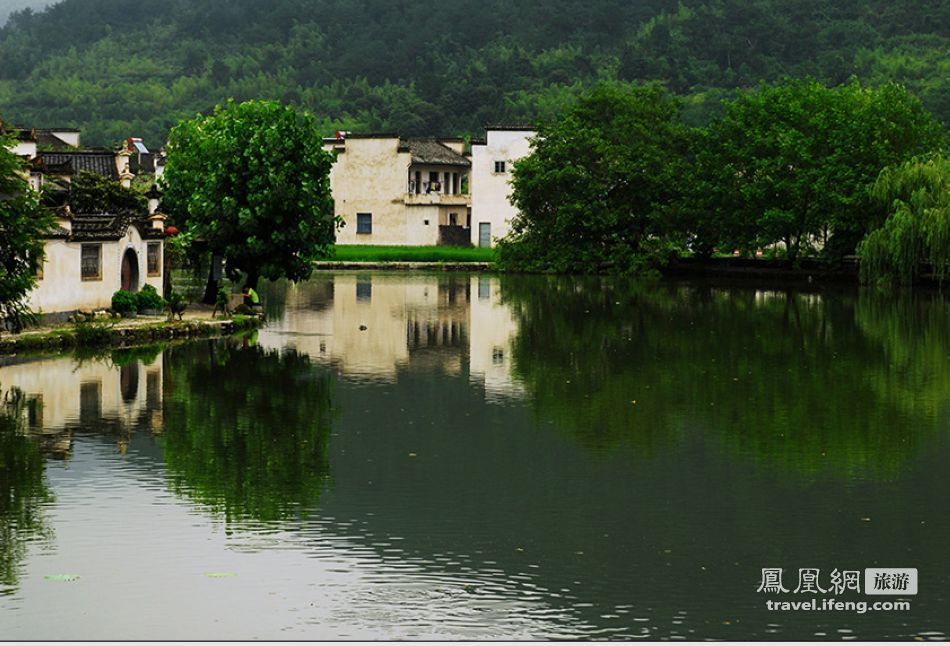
(121, 67)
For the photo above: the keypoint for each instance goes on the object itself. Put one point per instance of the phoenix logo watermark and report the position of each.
(900, 582)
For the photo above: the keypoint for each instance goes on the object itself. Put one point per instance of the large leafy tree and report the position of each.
(592, 190)
(23, 221)
(793, 163)
(251, 183)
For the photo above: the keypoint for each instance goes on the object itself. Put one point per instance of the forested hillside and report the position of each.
(124, 67)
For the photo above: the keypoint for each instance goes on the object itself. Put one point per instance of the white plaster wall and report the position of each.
(458, 145)
(69, 136)
(24, 149)
(370, 176)
(62, 289)
(491, 190)
(422, 225)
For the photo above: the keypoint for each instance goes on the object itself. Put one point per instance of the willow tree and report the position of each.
(251, 184)
(917, 229)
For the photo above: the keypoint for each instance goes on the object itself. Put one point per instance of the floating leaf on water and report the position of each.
(220, 575)
(65, 578)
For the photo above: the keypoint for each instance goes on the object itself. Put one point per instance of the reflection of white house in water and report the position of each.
(62, 394)
(493, 331)
(373, 326)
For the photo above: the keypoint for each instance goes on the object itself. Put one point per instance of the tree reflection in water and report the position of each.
(851, 384)
(246, 430)
(23, 489)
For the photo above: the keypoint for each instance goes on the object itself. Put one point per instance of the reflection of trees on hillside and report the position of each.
(811, 383)
(246, 430)
(23, 488)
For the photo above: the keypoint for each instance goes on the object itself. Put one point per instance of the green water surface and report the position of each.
(472, 457)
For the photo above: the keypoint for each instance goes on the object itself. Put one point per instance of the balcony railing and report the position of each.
(424, 199)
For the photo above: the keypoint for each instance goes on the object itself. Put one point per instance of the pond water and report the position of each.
(473, 457)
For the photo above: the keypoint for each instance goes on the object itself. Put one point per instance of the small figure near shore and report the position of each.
(251, 299)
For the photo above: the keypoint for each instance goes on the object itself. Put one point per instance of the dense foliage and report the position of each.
(917, 229)
(793, 164)
(94, 193)
(591, 191)
(122, 67)
(620, 180)
(251, 183)
(23, 221)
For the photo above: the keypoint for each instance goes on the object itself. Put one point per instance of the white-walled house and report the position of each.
(395, 191)
(492, 161)
(90, 256)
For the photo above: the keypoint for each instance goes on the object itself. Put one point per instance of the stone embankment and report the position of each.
(119, 333)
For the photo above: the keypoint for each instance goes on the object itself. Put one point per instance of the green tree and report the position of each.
(917, 228)
(251, 182)
(23, 222)
(792, 163)
(591, 191)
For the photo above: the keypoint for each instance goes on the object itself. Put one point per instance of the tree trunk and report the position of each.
(211, 288)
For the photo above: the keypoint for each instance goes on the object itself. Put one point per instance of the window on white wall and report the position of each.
(154, 257)
(364, 223)
(91, 262)
(500, 167)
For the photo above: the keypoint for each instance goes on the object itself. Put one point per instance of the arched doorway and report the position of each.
(130, 271)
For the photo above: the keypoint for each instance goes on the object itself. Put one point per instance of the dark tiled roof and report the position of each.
(69, 163)
(92, 227)
(430, 151)
(101, 227)
(57, 233)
